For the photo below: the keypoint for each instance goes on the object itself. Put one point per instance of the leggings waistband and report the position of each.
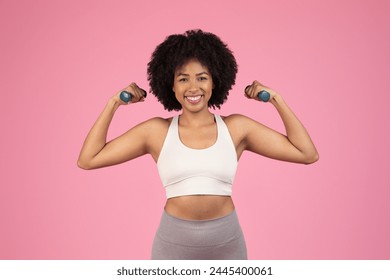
(199, 232)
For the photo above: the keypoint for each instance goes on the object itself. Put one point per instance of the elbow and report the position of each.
(312, 158)
(83, 165)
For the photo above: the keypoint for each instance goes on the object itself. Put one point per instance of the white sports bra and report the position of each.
(186, 171)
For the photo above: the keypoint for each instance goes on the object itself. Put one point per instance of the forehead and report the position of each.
(191, 65)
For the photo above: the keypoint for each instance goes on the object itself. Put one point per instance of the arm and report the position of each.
(296, 146)
(96, 152)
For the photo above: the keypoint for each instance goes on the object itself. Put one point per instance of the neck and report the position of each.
(196, 119)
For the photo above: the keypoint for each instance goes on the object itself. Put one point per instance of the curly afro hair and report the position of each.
(176, 50)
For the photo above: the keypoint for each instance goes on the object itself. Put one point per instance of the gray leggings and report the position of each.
(215, 239)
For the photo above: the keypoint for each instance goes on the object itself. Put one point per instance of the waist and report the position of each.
(199, 207)
(212, 233)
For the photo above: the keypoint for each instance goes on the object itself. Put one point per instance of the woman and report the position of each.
(196, 152)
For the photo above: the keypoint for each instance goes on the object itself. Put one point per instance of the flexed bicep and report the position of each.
(96, 151)
(295, 146)
(128, 146)
(267, 142)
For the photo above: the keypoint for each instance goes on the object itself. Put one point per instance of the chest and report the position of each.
(198, 138)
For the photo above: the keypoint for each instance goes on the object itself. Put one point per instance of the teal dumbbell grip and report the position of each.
(126, 96)
(264, 96)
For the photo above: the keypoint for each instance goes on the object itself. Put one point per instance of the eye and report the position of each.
(203, 78)
(182, 79)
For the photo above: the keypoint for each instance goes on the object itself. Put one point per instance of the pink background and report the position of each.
(62, 60)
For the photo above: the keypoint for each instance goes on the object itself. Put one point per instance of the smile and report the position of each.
(194, 99)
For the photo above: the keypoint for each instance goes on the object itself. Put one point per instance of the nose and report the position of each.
(193, 85)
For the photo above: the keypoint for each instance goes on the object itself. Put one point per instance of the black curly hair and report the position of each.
(176, 50)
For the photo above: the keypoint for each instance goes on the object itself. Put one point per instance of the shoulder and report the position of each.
(156, 126)
(154, 131)
(237, 125)
(241, 125)
(157, 122)
(236, 120)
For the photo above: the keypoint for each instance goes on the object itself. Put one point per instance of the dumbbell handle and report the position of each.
(126, 96)
(262, 95)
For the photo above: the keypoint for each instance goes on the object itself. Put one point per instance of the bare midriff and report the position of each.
(199, 207)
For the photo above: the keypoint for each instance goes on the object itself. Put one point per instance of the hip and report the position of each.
(220, 238)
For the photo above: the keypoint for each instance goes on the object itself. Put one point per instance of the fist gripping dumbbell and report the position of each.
(262, 95)
(126, 96)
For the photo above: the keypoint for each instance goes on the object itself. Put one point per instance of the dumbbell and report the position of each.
(262, 95)
(126, 96)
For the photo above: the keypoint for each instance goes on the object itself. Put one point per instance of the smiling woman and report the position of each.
(193, 84)
(169, 57)
(196, 152)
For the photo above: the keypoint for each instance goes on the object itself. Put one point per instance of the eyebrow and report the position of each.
(201, 73)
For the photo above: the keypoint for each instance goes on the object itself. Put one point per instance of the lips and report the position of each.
(194, 99)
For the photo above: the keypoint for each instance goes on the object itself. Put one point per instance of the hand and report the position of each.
(137, 94)
(255, 88)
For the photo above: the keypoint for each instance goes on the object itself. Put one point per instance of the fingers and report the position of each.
(257, 91)
(132, 94)
(253, 89)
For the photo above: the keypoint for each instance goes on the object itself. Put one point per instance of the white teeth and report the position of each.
(194, 98)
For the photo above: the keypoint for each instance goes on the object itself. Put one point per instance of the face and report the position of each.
(193, 86)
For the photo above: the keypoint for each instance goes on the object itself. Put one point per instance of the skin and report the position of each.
(197, 130)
